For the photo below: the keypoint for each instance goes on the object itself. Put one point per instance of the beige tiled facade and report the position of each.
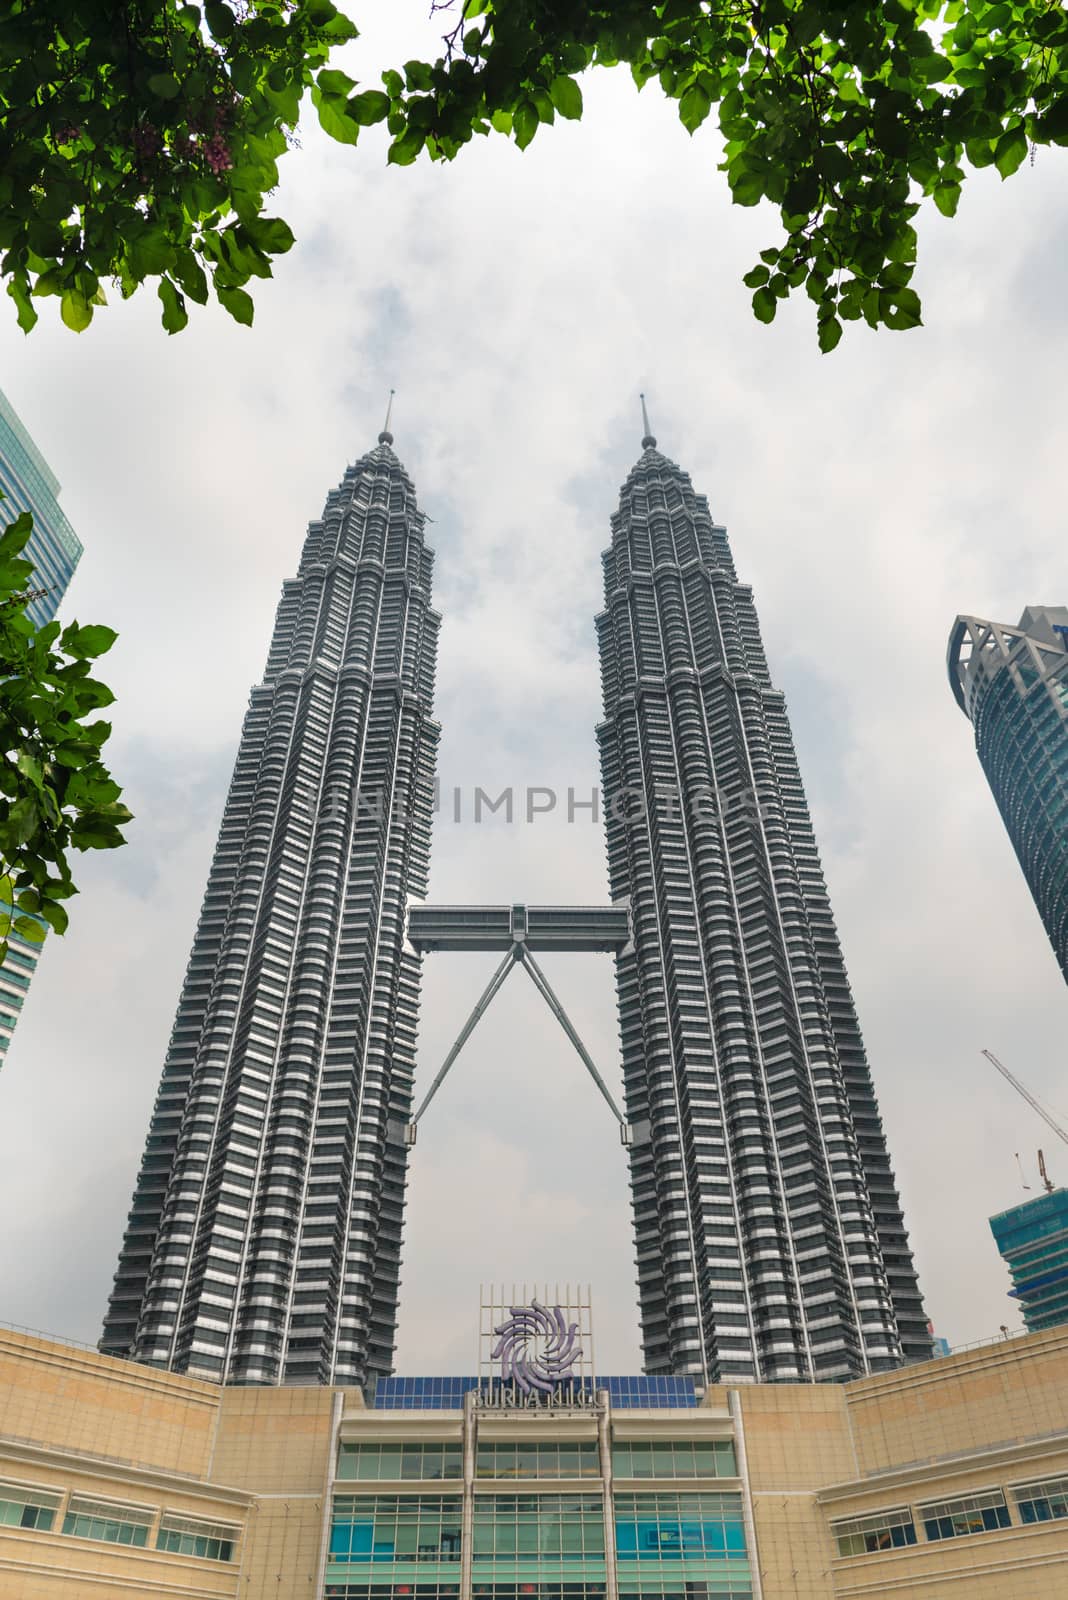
(258, 1463)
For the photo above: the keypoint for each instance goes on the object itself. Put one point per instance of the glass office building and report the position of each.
(1012, 684)
(770, 1239)
(29, 484)
(1033, 1241)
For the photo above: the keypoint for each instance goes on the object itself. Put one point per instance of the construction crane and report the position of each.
(1045, 1176)
(1028, 1096)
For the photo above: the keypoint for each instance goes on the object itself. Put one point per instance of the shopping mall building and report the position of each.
(947, 1478)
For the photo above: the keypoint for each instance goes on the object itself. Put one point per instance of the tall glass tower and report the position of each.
(1012, 684)
(770, 1240)
(264, 1241)
(29, 484)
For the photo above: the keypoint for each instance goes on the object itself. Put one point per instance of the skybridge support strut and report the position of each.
(514, 929)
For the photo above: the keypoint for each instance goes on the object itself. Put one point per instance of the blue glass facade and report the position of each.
(447, 1393)
(1013, 685)
(1033, 1241)
(29, 484)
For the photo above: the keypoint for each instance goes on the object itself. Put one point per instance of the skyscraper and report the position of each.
(29, 484)
(1012, 684)
(264, 1241)
(770, 1239)
(1033, 1241)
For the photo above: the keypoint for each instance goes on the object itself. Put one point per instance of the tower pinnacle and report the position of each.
(649, 441)
(385, 437)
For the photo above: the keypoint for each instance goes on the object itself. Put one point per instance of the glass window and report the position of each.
(514, 1590)
(24, 1506)
(1042, 1502)
(576, 1458)
(681, 1458)
(544, 1528)
(673, 1527)
(385, 1527)
(975, 1513)
(883, 1530)
(99, 1519)
(400, 1461)
(185, 1537)
(392, 1591)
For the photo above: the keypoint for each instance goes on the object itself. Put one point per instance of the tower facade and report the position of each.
(770, 1239)
(1012, 684)
(263, 1245)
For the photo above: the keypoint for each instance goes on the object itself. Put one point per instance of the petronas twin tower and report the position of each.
(263, 1244)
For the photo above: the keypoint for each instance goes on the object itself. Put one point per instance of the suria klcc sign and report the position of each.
(536, 1348)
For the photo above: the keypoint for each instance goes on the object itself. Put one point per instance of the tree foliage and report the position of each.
(138, 140)
(145, 151)
(55, 792)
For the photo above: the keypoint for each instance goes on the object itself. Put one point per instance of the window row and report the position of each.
(731, 1588)
(26, 1506)
(680, 1458)
(649, 1528)
(378, 1461)
(983, 1512)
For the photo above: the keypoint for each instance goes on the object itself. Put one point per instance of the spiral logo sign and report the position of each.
(537, 1348)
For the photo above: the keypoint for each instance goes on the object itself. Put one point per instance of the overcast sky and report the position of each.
(518, 303)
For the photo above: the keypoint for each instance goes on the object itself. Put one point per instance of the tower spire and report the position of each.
(649, 441)
(385, 437)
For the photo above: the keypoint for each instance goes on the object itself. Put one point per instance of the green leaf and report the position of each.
(332, 82)
(164, 85)
(905, 310)
(765, 305)
(70, 754)
(370, 107)
(237, 302)
(16, 535)
(756, 278)
(30, 930)
(1010, 150)
(946, 198)
(86, 643)
(55, 916)
(270, 234)
(403, 151)
(334, 118)
(93, 834)
(220, 19)
(829, 332)
(566, 97)
(525, 122)
(30, 767)
(694, 107)
(76, 310)
(175, 315)
(22, 819)
(26, 311)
